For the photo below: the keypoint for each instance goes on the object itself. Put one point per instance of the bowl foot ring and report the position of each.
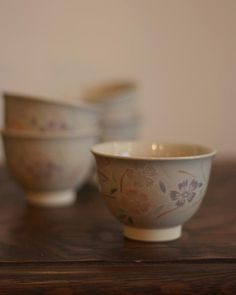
(51, 199)
(152, 235)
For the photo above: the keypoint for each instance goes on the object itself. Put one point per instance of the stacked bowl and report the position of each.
(47, 145)
(120, 119)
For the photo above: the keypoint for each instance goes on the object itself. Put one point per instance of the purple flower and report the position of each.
(187, 191)
(41, 170)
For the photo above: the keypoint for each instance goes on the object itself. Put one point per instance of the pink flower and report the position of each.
(135, 202)
(139, 179)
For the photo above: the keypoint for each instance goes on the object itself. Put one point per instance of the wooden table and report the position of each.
(81, 250)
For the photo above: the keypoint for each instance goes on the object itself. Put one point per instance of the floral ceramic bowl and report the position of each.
(49, 166)
(153, 188)
(123, 130)
(26, 113)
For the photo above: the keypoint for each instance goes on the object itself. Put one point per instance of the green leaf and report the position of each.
(162, 186)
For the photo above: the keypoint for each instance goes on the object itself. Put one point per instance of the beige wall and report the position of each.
(182, 53)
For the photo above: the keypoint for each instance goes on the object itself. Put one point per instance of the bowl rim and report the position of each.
(6, 133)
(211, 152)
(109, 93)
(44, 99)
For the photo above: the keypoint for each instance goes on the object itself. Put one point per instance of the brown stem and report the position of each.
(122, 179)
(166, 212)
(185, 172)
(173, 209)
(103, 175)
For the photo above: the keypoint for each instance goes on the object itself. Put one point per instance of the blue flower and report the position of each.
(187, 191)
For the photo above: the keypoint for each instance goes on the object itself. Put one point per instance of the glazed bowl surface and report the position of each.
(153, 188)
(116, 101)
(49, 164)
(31, 113)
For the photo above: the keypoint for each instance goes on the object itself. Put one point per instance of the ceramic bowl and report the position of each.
(124, 130)
(26, 113)
(153, 188)
(115, 100)
(49, 166)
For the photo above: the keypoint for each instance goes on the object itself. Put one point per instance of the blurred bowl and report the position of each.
(115, 100)
(26, 113)
(110, 92)
(121, 130)
(49, 166)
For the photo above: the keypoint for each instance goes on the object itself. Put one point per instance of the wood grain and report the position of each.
(136, 278)
(80, 249)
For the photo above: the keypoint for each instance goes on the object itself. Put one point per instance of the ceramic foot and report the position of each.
(51, 199)
(152, 235)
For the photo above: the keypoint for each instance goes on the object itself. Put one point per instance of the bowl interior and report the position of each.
(154, 150)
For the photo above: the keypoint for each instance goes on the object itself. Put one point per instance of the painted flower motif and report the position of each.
(187, 191)
(142, 181)
(149, 170)
(139, 179)
(102, 162)
(102, 176)
(136, 202)
(41, 170)
(52, 125)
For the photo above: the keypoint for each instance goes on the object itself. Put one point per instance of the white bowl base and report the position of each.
(152, 235)
(52, 198)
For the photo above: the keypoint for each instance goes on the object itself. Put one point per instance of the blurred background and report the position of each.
(181, 54)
